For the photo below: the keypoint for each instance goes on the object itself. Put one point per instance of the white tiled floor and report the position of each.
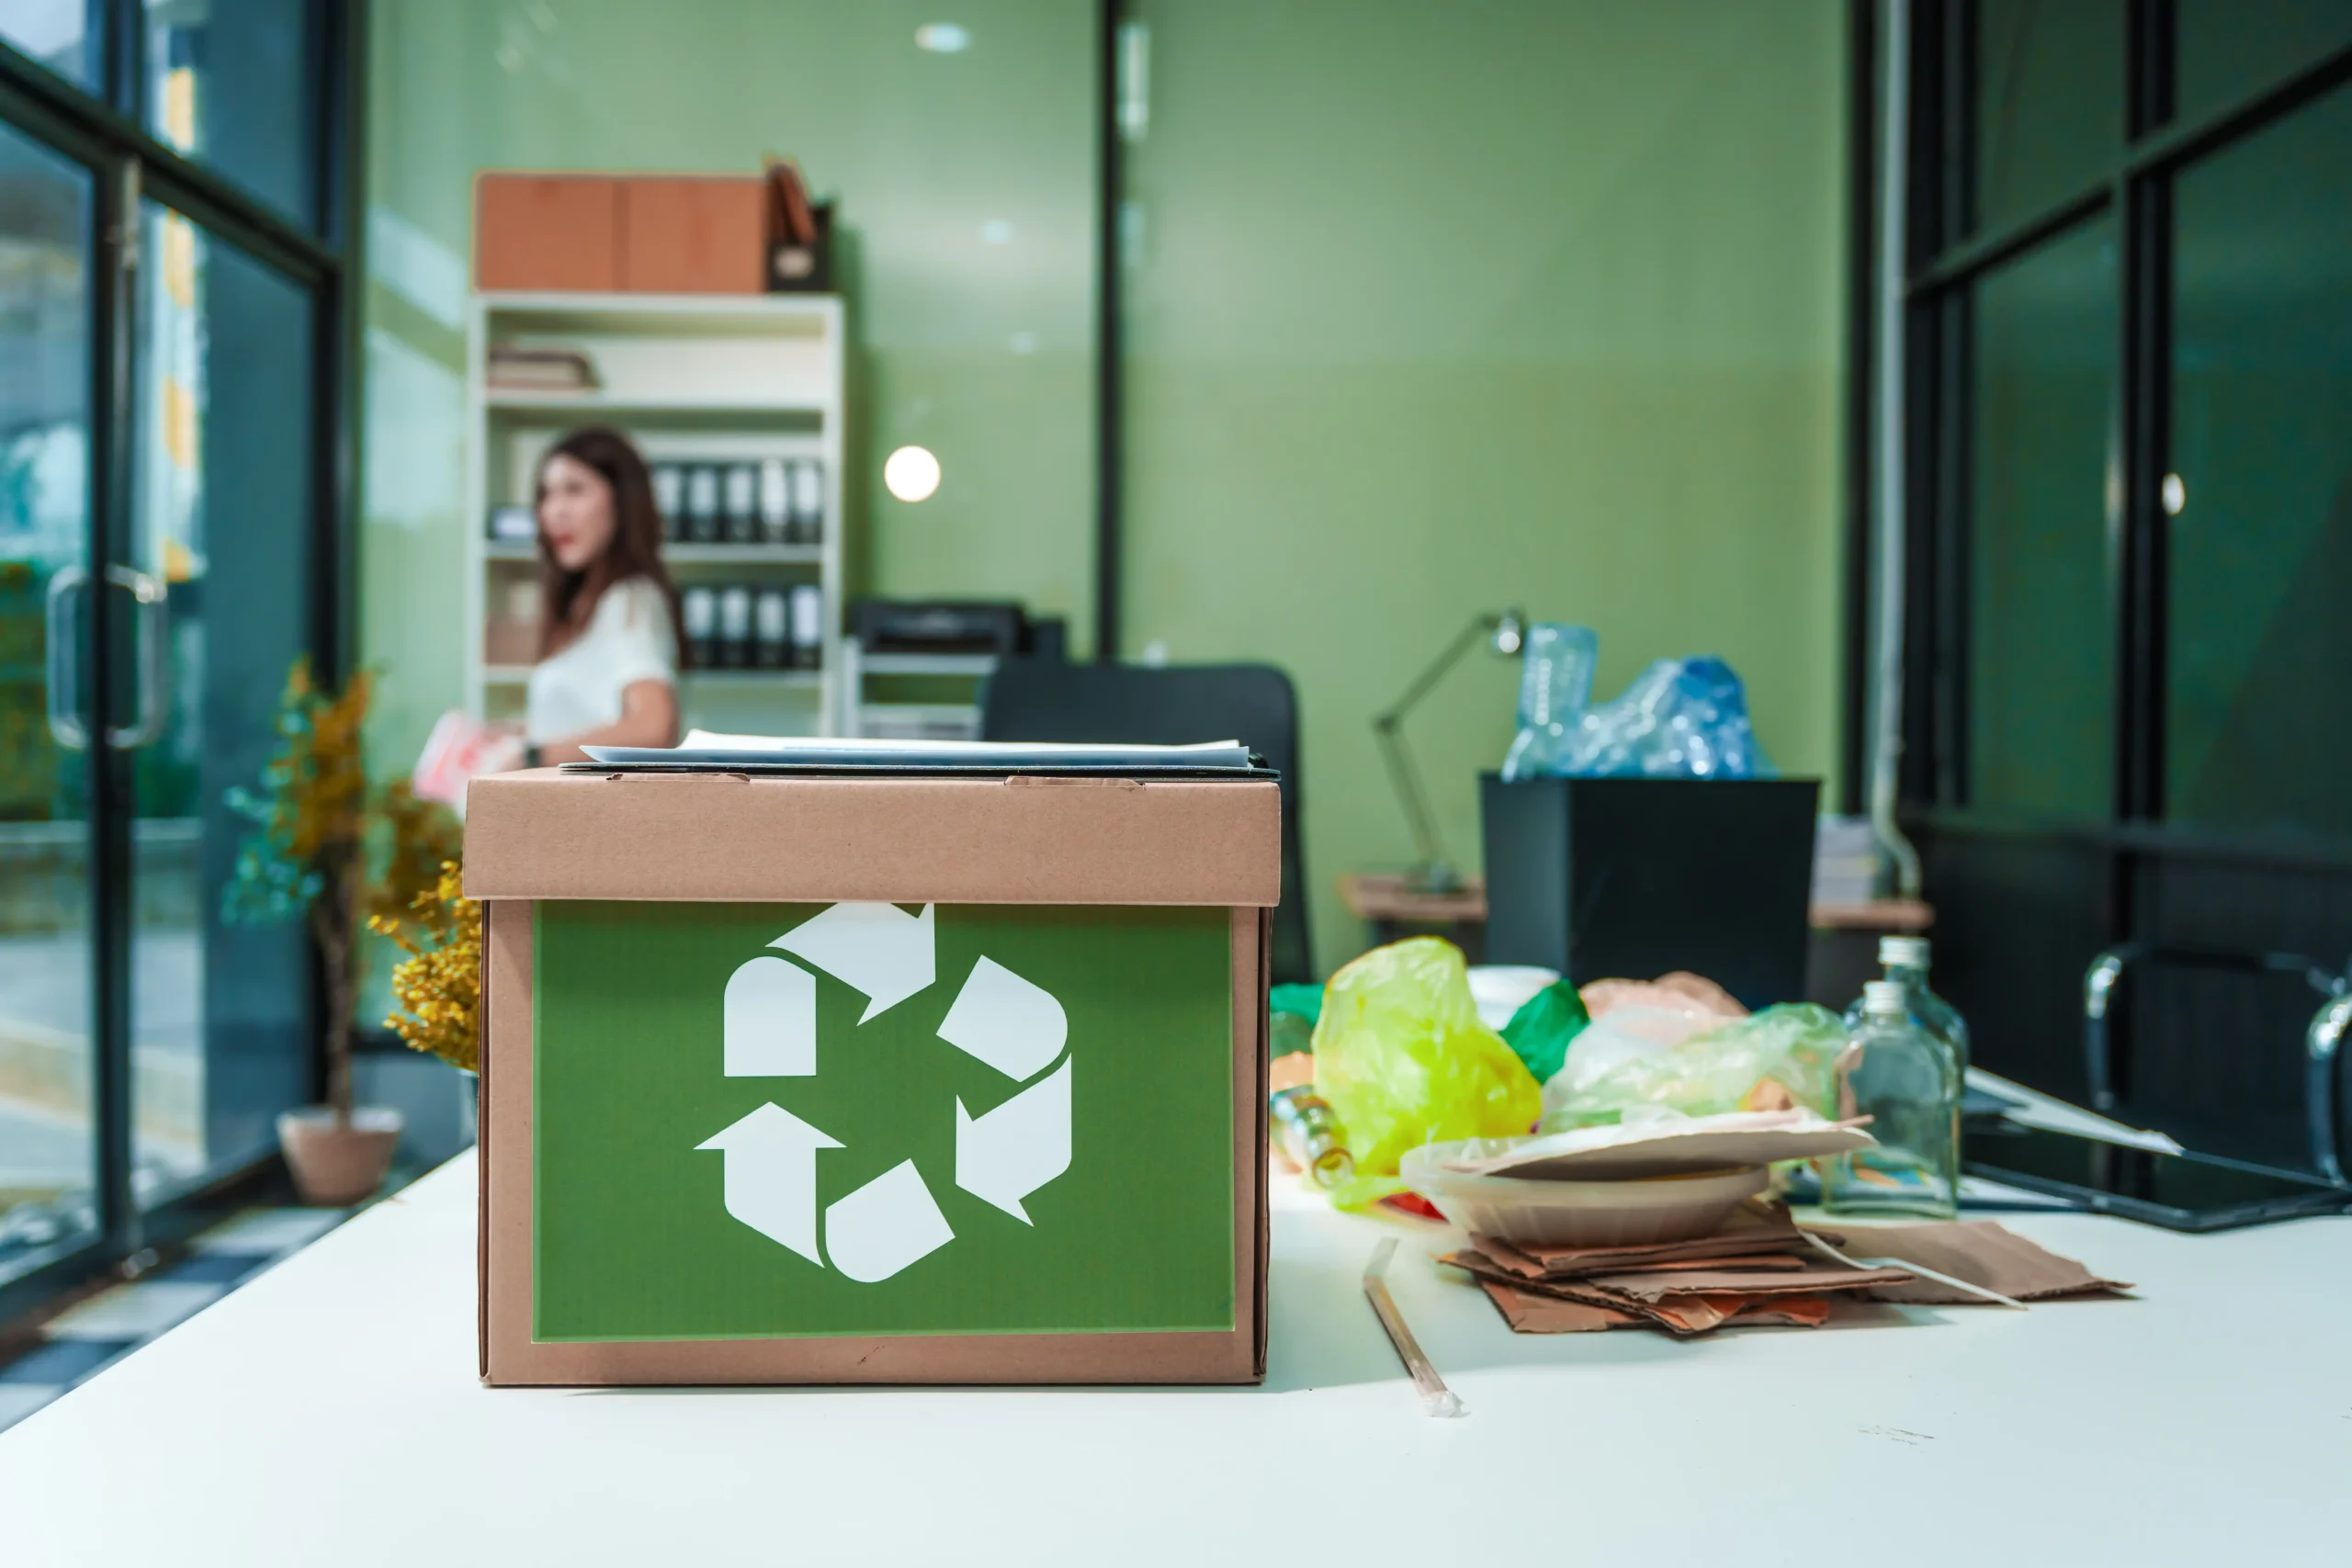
(18, 1400)
(269, 1230)
(80, 1343)
(134, 1312)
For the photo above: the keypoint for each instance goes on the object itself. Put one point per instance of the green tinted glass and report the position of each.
(2229, 48)
(2258, 675)
(2040, 624)
(2048, 101)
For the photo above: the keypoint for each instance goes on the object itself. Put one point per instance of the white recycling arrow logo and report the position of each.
(770, 1031)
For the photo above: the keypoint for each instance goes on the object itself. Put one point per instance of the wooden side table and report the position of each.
(1844, 950)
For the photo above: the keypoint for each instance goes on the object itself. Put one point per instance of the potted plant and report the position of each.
(332, 848)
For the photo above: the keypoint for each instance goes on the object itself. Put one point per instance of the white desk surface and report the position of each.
(328, 1412)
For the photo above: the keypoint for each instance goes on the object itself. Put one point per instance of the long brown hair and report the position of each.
(566, 599)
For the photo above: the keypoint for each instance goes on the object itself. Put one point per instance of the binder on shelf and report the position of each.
(772, 629)
(669, 497)
(734, 627)
(701, 608)
(775, 502)
(808, 501)
(702, 504)
(742, 504)
(808, 626)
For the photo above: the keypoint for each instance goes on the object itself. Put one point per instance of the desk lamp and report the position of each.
(1505, 632)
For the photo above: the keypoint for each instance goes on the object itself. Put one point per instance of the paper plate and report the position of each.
(1582, 1213)
(1665, 1147)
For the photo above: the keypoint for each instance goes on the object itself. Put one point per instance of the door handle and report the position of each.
(63, 673)
(154, 660)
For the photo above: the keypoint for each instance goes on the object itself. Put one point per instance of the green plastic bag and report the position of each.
(1401, 1057)
(1783, 1055)
(1545, 1025)
(1298, 1000)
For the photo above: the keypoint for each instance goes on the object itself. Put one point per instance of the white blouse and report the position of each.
(628, 639)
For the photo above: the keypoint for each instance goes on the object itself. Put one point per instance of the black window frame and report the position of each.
(1948, 253)
(107, 134)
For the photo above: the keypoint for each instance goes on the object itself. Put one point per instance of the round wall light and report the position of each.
(911, 473)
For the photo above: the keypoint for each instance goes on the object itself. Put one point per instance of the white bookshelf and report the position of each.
(689, 377)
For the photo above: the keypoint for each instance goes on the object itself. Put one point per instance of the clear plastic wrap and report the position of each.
(1781, 1057)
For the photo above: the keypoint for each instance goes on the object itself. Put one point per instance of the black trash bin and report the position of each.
(1635, 877)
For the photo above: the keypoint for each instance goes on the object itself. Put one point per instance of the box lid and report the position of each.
(1025, 839)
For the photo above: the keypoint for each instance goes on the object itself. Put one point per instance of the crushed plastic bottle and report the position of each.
(1684, 718)
(1554, 687)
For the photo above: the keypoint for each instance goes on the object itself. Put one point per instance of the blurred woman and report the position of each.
(611, 646)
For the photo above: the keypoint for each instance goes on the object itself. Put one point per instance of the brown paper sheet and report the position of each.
(1979, 1251)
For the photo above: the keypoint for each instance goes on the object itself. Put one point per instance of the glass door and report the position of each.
(223, 497)
(49, 1042)
(175, 430)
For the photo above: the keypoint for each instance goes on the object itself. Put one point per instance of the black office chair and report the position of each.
(1036, 699)
(2323, 1087)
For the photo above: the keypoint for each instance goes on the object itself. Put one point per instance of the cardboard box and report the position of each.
(1636, 878)
(694, 235)
(873, 1079)
(547, 232)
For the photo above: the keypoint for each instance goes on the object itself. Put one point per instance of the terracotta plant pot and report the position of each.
(336, 1166)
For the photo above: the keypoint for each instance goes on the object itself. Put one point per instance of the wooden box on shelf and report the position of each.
(558, 232)
(694, 234)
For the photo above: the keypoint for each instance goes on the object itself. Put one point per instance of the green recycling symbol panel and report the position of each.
(757, 1121)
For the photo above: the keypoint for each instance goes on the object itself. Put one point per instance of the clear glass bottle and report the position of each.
(1907, 1080)
(1905, 960)
(1311, 1136)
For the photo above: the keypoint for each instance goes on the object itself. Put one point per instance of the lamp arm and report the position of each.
(1393, 714)
(1406, 781)
(1388, 726)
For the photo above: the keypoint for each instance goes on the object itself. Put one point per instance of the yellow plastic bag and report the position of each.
(1401, 1056)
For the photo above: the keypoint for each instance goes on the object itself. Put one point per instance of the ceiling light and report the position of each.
(911, 473)
(943, 38)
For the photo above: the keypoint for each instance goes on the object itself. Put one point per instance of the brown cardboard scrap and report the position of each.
(1762, 1260)
(1982, 1252)
(1650, 1285)
(1680, 1316)
(1527, 1313)
(1791, 1311)
(1753, 1228)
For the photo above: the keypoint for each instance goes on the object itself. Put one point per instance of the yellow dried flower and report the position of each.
(438, 985)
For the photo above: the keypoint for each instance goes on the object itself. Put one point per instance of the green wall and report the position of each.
(1430, 309)
(1437, 309)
